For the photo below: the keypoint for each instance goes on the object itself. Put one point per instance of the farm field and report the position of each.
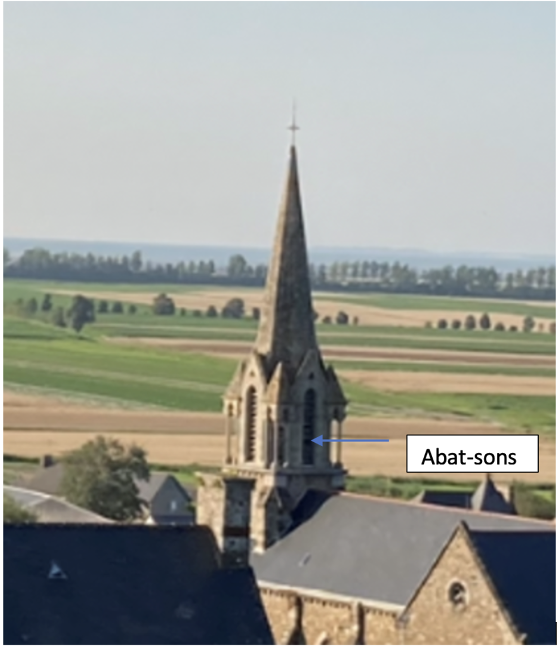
(157, 380)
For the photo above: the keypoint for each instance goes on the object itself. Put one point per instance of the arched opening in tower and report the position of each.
(250, 424)
(309, 415)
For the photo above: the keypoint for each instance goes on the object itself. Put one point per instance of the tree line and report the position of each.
(359, 276)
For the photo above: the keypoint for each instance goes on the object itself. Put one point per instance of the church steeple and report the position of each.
(287, 331)
(282, 395)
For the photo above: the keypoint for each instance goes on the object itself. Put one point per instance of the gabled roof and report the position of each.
(366, 547)
(78, 584)
(488, 497)
(48, 480)
(522, 567)
(51, 509)
(147, 490)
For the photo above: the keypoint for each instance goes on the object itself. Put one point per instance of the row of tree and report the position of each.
(485, 323)
(536, 283)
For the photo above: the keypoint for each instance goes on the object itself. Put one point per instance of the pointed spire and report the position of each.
(286, 330)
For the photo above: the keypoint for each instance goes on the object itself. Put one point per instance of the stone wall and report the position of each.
(298, 618)
(455, 605)
(434, 619)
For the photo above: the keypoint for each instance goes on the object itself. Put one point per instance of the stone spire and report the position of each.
(287, 330)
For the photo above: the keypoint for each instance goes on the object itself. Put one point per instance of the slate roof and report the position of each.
(366, 547)
(125, 585)
(486, 498)
(522, 566)
(49, 479)
(450, 498)
(50, 509)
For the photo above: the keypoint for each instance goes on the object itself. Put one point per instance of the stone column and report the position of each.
(228, 437)
(276, 450)
(339, 445)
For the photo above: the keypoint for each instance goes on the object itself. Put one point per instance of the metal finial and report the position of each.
(293, 127)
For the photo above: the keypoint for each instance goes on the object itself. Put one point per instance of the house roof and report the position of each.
(522, 567)
(488, 497)
(451, 498)
(112, 584)
(366, 547)
(50, 509)
(49, 479)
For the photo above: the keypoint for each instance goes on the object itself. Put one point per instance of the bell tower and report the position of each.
(282, 395)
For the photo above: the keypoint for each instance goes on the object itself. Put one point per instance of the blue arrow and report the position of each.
(320, 440)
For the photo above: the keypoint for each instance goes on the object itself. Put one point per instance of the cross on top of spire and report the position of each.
(293, 126)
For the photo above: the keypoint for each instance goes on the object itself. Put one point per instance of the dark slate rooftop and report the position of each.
(369, 548)
(110, 584)
(449, 498)
(49, 480)
(522, 566)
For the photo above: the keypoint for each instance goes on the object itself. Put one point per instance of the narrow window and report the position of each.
(250, 424)
(308, 426)
(281, 445)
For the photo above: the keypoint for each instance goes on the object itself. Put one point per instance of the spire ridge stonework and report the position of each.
(282, 396)
(286, 328)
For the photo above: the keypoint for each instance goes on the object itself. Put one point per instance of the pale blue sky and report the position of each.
(424, 125)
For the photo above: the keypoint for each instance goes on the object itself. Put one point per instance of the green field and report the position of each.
(38, 355)
(420, 302)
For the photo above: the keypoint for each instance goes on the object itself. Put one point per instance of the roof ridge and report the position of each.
(442, 509)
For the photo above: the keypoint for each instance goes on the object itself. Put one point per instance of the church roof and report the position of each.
(488, 497)
(522, 567)
(279, 385)
(336, 394)
(369, 548)
(234, 387)
(125, 584)
(286, 327)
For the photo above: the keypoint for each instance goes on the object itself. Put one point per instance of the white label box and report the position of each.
(475, 453)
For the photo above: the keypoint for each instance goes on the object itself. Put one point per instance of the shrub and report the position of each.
(528, 323)
(117, 308)
(528, 503)
(355, 321)
(428, 324)
(163, 305)
(442, 324)
(197, 313)
(470, 322)
(499, 327)
(211, 311)
(234, 309)
(183, 312)
(327, 320)
(456, 324)
(485, 322)
(132, 309)
(513, 328)
(58, 317)
(46, 304)
(342, 318)
(31, 307)
(102, 307)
